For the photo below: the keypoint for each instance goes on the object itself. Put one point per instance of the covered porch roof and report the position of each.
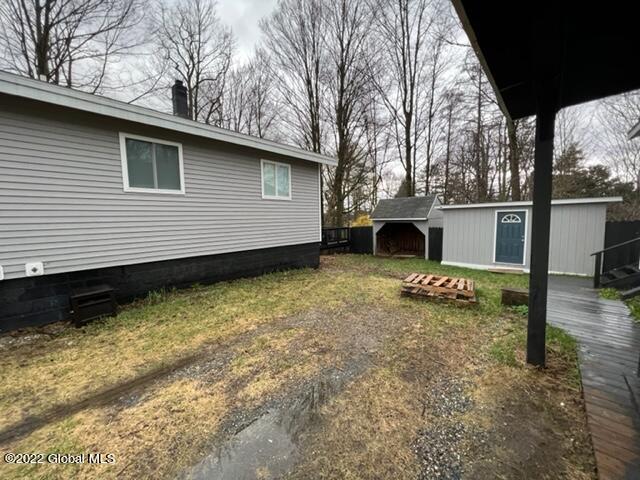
(583, 50)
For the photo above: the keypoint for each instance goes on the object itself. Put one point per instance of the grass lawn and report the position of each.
(349, 378)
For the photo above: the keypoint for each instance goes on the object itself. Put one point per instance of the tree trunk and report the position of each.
(408, 152)
(481, 187)
(427, 170)
(514, 160)
(42, 40)
(447, 160)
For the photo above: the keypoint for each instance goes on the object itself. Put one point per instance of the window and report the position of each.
(511, 218)
(276, 180)
(150, 165)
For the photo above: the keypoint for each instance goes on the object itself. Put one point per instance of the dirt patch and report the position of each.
(532, 429)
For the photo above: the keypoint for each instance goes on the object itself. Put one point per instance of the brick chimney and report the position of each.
(179, 97)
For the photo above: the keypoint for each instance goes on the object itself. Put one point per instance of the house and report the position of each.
(96, 191)
(498, 235)
(408, 226)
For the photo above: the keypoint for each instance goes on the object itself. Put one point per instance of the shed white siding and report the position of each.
(577, 230)
(62, 200)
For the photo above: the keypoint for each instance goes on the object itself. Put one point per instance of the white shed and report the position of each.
(498, 235)
(402, 226)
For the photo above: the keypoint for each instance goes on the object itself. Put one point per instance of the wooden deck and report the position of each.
(609, 343)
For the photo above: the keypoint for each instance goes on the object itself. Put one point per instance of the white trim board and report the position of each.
(125, 170)
(477, 266)
(275, 172)
(29, 88)
(564, 201)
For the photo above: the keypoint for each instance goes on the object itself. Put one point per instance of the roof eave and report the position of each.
(466, 25)
(562, 201)
(37, 90)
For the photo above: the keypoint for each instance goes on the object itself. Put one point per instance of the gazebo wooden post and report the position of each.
(540, 228)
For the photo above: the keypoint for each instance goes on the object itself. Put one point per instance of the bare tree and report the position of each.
(617, 115)
(248, 98)
(346, 37)
(453, 99)
(263, 110)
(434, 104)
(378, 145)
(197, 49)
(520, 140)
(402, 29)
(293, 37)
(72, 43)
(236, 114)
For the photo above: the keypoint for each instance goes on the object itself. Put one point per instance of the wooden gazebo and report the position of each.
(541, 56)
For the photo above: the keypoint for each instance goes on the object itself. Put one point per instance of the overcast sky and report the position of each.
(243, 17)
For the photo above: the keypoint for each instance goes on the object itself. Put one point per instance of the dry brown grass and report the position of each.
(165, 428)
(168, 427)
(268, 338)
(274, 360)
(157, 332)
(172, 424)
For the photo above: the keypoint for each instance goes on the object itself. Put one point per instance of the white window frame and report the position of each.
(274, 197)
(125, 170)
(526, 233)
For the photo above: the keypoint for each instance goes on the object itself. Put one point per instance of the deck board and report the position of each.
(609, 347)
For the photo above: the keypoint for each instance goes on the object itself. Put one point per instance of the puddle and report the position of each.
(269, 446)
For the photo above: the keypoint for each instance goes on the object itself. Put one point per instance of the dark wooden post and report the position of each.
(598, 269)
(540, 226)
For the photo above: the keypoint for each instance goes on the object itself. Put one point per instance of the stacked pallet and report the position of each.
(440, 287)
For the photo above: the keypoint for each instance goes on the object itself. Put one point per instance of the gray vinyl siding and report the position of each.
(62, 200)
(576, 231)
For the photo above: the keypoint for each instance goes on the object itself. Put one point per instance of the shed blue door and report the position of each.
(510, 236)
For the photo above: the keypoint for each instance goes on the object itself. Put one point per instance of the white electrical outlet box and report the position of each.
(1, 273)
(33, 269)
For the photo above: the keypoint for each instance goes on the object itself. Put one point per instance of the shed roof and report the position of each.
(404, 208)
(563, 201)
(29, 88)
(585, 48)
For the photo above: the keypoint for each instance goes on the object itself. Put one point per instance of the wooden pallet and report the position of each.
(438, 287)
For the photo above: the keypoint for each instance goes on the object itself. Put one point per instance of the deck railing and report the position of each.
(335, 238)
(599, 255)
